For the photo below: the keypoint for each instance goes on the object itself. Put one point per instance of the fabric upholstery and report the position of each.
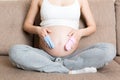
(9, 72)
(12, 14)
(117, 6)
(117, 59)
(102, 11)
(105, 23)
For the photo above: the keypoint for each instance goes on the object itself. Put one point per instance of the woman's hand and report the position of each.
(43, 34)
(76, 34)
(74, 37)
(43, 31)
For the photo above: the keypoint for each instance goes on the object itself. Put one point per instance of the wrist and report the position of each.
(37, 28)
(81, 32)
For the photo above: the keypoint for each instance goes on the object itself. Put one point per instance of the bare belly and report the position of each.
(59, 36)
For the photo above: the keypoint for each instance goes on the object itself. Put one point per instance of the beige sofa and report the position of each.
(12, 15)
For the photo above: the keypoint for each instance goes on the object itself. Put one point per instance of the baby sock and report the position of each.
(49, 41)
(84, 70)
(70, 43)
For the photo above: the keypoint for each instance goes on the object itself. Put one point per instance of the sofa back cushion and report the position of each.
(12, 14)
(104, 15)
(117, 9)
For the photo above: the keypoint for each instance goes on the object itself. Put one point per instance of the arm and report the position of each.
(28, 24)
(91, 26)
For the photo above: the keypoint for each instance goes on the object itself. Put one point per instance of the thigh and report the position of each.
(108, 49)
(27, 55)
(30, 58)
(93, 56)
(25, 50)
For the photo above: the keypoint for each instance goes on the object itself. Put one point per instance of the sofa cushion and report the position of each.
(9, 72)
(12, 14)
(104, 15)
(117, 6)
(117, 59)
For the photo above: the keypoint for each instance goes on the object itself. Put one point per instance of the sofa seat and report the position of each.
(10, 72)
(117, 59)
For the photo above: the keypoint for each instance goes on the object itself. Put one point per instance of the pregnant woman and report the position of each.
(59, 36)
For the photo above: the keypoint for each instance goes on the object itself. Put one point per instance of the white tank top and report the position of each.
(60, 15)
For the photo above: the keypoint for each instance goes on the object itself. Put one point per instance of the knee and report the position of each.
(109, 50)
(15, 52)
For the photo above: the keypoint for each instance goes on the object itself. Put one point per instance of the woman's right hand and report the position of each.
(43, 31)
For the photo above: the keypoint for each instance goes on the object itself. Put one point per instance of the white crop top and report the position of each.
(60, 15)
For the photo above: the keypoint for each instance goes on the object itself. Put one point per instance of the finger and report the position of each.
(43, 36)
(48, 30)
(45, 33)
(73, 36)
(70, 34)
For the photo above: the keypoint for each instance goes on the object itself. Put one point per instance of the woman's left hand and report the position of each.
(74, 37)
(76, 34)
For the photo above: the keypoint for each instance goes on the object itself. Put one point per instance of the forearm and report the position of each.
(87, 31)
(30, 28)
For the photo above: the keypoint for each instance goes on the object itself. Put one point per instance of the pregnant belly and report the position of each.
(59, 37)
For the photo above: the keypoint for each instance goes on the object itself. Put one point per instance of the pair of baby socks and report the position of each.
(68, 45)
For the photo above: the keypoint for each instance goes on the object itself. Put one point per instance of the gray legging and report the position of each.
(29, 58)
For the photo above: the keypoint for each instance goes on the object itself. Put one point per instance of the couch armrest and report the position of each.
(117, 59)
(117, 7)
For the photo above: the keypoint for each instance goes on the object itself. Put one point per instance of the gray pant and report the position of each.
(29, 58)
